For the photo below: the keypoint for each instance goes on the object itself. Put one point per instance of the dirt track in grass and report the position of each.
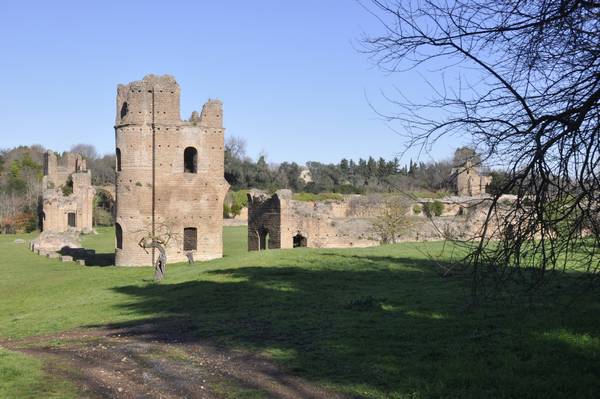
(150, 361)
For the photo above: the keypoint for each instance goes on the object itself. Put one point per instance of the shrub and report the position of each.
(235, 201)
(23, 222)
(67, 189)
(417, 209)
(235, 209)
(435, 208)
(102, 217)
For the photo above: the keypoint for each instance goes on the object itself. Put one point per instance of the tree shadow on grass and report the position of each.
(380, 326)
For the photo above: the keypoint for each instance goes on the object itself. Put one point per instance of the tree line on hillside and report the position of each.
(348, 176)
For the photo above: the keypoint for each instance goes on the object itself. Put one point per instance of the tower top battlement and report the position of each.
(156, 99)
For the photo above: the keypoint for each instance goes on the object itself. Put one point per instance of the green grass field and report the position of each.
(376, 323)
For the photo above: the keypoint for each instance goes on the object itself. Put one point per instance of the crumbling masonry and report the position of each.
(278, 221)
(63, 210)
(470, 182)
(170, 173)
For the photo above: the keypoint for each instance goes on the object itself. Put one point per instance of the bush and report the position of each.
(102, 217)
(235, 209)
(23, 222)
(239, 198)
(226, 211)
(417, 209)
(435, 208)
(67, 189)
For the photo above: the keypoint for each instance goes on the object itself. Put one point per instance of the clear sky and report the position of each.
(289, 73)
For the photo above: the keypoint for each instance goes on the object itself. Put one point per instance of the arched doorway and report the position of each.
(119, 236)
(300, 241)
(263, 239)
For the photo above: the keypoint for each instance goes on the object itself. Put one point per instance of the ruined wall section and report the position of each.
(56, 207)
(265, 217)
(320, 224)
(470, 182)
(58, 169)
(151, 142)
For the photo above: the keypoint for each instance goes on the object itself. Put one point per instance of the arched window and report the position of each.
(119, 235)
(263, 239)
(124, 109)
(190, 239)
(118, 159)
(190, 160)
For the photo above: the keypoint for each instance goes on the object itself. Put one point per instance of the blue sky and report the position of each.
(293, 84)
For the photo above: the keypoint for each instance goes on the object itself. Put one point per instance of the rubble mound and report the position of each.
(52, 241)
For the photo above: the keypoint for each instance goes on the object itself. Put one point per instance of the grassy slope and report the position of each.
(377, 322)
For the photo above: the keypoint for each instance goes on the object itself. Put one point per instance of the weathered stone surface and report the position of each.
(52, 255)
(52, 241)
(155, 185)
(66, 258)
(278, 221)
(469, 181)
(67, 212)
(81, 262)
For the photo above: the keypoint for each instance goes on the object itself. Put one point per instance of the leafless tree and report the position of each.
(236, 146)
(522, 79)
(392, 220)
(88, 151)
(158, 237)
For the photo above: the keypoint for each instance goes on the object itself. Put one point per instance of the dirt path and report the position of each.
(139, 362)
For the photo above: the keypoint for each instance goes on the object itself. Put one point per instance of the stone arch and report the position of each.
(190, 160)
(263, 238)
(300, 240)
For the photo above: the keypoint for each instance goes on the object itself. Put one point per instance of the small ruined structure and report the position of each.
(170, 173)
(278, 221)
(469, 181)
(68, 194)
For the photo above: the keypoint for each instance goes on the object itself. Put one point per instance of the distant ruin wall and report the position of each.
(278, 221)
(72, 212)
(470, 182)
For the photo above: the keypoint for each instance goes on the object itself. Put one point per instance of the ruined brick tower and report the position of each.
(170, 173)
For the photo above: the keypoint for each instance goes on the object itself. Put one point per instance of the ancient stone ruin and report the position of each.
(278, 221)
(68, 194)
(469, 180)
(170, 173)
